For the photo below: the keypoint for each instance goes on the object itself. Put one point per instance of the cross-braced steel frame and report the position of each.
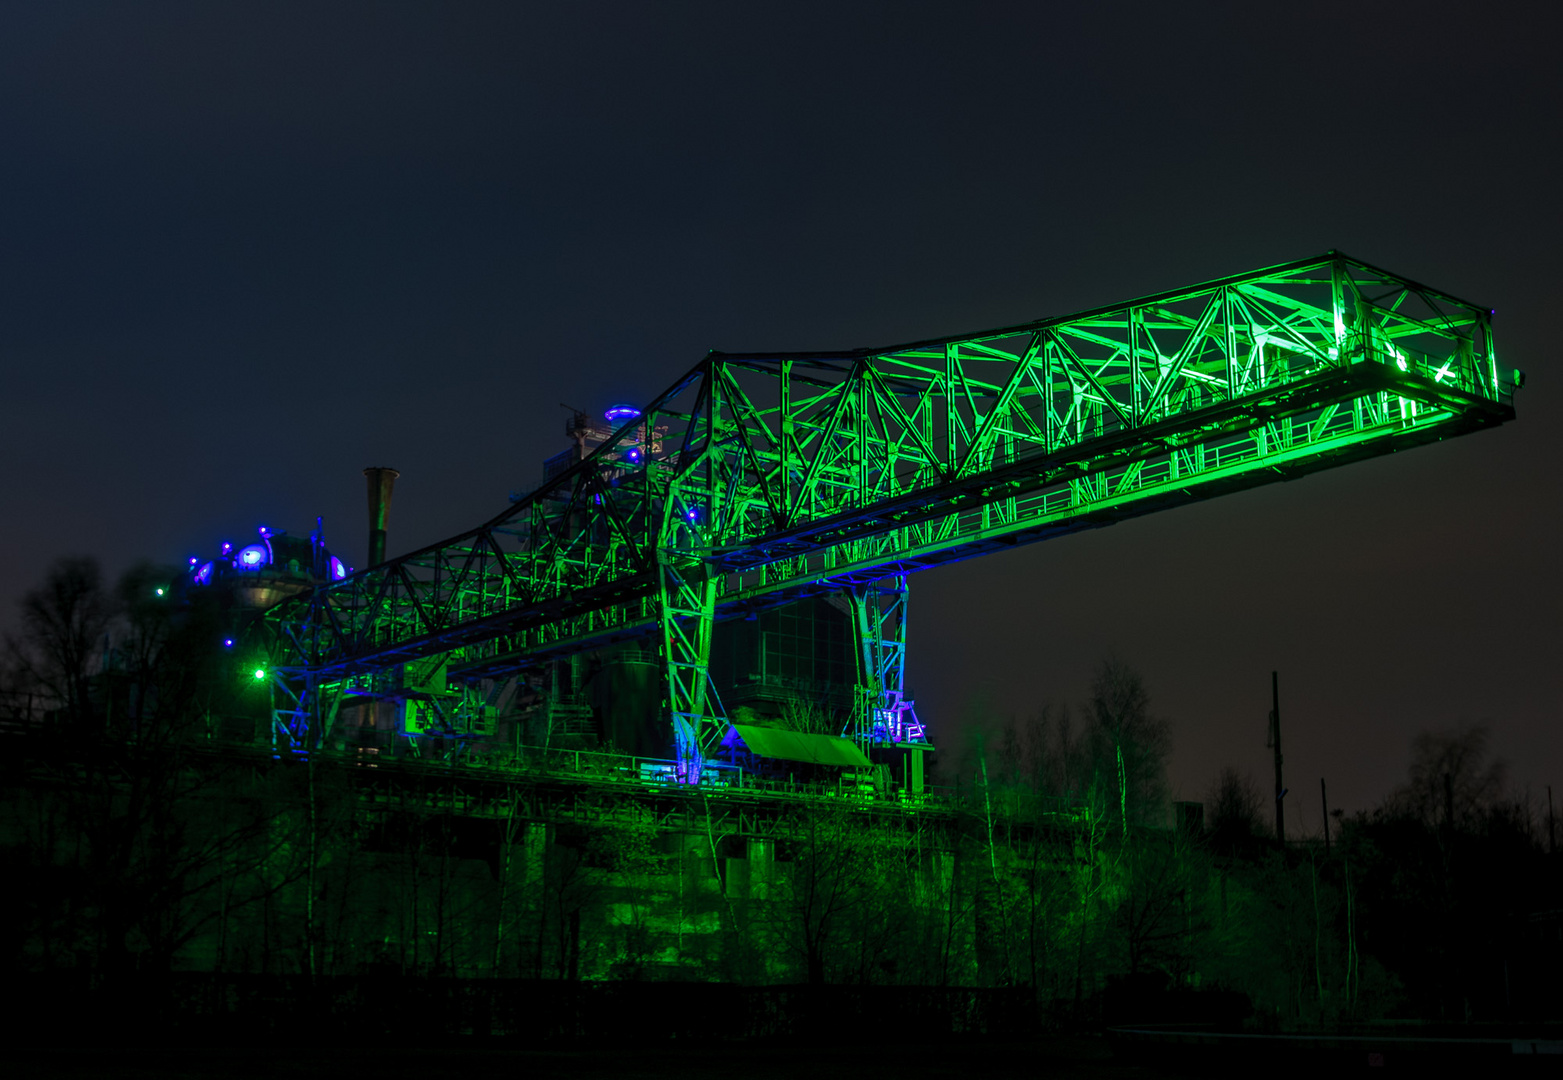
(761, 478)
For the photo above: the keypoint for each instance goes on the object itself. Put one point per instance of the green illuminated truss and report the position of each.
(757, 478)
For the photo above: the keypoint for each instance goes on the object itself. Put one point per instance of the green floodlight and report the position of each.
(260, 673)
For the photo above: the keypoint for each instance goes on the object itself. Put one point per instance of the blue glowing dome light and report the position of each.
(621, 414)
(253, 557)
(202, 575)
(338, 571)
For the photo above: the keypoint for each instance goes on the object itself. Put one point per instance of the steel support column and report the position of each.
(882, 715)
(686, 610)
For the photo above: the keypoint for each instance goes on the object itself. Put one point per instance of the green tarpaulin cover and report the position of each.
(796, 746)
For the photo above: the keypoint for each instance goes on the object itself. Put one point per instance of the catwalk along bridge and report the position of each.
(760, 478)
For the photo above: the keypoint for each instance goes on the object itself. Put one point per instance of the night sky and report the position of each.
(248, 249)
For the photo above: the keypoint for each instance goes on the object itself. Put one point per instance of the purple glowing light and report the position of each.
(338, 571)
(633, 455)
(253, 557)
(203, 576)
(228, 643)
(621, 414)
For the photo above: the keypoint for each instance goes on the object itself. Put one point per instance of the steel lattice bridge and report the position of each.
(758, 479)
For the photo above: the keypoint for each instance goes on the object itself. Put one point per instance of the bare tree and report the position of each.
(1452, 782)
(1128, 744)
(64, 624)
(828, 875)
(1234, 815)
(801, 712)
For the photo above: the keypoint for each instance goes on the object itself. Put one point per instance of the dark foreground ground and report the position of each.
(884, 1053)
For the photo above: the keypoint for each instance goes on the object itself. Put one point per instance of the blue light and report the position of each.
(338, 571)
(227, 547)
(193, 560)
(227, 642)
(264, 531)
(620, 414)
(203, 576)
(253, 557)
(633, 455)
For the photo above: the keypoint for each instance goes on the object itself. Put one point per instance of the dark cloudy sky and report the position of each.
(248, 249)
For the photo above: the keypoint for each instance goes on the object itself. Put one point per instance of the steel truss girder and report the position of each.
(787, 475)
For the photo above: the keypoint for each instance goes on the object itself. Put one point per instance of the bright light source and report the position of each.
(260, 673)
(254, 557)
(227, 642)
(160, 592)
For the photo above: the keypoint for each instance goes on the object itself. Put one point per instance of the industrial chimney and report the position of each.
(381, 480)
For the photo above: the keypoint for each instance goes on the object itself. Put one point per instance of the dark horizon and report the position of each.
(252, 252)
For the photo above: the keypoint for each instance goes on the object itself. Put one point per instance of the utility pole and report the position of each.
(1324, 797)
(1275, 743)
(1552, 839)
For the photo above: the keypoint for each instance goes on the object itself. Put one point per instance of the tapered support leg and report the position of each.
(687, 605)
(883, 714)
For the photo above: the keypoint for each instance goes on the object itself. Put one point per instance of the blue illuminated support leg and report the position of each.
(687, 601)
(290, 715)
(302, 717)
(884, 716)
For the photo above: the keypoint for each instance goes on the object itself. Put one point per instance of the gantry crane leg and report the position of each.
(882, 714)
(686, 609)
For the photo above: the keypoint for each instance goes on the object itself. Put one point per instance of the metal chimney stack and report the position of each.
(381, 481)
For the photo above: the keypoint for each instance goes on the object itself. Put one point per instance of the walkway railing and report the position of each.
(643, 772)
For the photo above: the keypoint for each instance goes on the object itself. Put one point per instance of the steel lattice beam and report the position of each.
(761, 478)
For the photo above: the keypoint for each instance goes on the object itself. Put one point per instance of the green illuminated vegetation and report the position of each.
(157, 842)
